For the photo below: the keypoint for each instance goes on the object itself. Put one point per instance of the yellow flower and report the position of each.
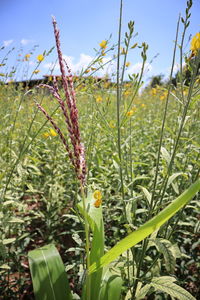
(46, 134)
(195, 43)
(97, 194)
(112, 124)
(27, 56)
(153, 91)
(163, 95)
(127, 93)
(103, 44)
(36, 71)
(143, 105)
(130, 113)
(98, 198)
(40, 57)
(97, 203)
(99, 99)
(87, 71)
(52, 132)
(128, 64)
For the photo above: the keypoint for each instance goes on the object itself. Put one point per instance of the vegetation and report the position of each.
(106, 188)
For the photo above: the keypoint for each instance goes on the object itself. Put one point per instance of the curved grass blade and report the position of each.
(146, 229)
(48, 274)
(112, 287)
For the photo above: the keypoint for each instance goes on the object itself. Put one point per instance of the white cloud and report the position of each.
(82, 64)
(7, 43)
(136, 68)
(175, 69)
(25, 42)
(31, 63)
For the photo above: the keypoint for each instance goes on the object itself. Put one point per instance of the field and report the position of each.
(141, 152)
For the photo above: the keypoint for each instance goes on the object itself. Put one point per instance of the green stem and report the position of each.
(87, 244)
(118, 110)
(163, 123)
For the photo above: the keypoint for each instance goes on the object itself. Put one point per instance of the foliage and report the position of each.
(141, 155)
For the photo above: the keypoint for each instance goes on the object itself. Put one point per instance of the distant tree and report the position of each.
(156, 80)
(186, 76)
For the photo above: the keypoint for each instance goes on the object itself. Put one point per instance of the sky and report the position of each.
(83, 25)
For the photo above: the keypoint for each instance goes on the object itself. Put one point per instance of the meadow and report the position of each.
(142, 158)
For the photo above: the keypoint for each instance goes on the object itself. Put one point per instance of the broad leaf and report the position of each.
(166, 285)
(48, 274)
(111, 287)
(141, 293)
(164, 247)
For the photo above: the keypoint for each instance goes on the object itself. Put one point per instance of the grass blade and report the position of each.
(95, 220)
(146, 229)
(48, 274)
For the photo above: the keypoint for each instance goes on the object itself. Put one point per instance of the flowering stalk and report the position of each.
(76, 151)
(70, 112)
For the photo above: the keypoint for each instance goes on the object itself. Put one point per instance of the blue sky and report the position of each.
(85, 23)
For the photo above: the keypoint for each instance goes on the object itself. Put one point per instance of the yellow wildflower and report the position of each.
(99, 99)
(195, 43)
(46, 134)
(143, 105)
(128, 64)
(40, 57)
(26, 57)
(87, 71)
(127, 93)
(129, 113)
(103, 44)
(153, 91)
(52, 132)
(98, 198)
(112, 124)
(163, 95)
(36, 71)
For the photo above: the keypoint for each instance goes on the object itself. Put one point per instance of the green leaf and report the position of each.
(166, 285)
(111, 287)
(48, 274)
(5, 267)
(141, 293)
(147, 228)
(8, 241)
(165, 155)
(15, 220)
(146, 193)
(174, 176)
(164, 247)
